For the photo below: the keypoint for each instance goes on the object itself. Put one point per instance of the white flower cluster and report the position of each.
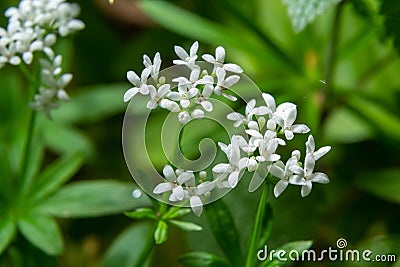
(187, 96)
(255, 151)
(34, 26)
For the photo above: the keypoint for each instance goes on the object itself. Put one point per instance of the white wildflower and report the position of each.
(218, 61)
(224, 83)
(185, 58)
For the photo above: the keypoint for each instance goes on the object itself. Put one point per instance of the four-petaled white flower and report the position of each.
(283, 172)
(140, 84)
(218, 61)
(153, 66)
(157, 95)
(186, 88)
(185, 58)
(236, 162)
(224, 83)
(250, 110)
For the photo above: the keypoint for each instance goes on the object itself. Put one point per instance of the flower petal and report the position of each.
(233, 179)
(163, 187)
(169, 173)
(280, 187)
(196, 205)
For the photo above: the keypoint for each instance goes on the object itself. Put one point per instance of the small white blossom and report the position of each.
(250, 110)
(224, 83)
(218, 61)
(154, 66)
(283, 172)
(140, 84)
(185, 58)
(157, 95)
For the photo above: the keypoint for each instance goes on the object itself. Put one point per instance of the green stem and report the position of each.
(331, 53)
(256, 231)
(148, 248)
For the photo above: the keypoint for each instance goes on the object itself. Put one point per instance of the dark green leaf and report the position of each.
(390, 10)
(43, 232)
(142, 213)
(7, 232)
(129, 246)
(202, 259)
(303, 12)
(161, 232)
(224, 230)
(55, 175)
(92, 198)
(298, 246)
(383, 183)
(186, 226)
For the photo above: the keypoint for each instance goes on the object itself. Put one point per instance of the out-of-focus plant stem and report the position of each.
(252, 26)
(255, 234)
(148, 248)
(331, 52)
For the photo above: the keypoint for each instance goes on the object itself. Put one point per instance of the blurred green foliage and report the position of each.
(342, 71)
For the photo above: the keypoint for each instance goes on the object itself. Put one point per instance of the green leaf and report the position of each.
(55, 175)
(387, 122)
(65, 139)
(7, 232)
(298, 246)
(352, 127)
(43, 232)
(174, 212)
(142, 213)
(303, 12)
(93, 103)
(128, 247)
(92, 198)
(186, 226)
(161, 232)
(390, 10)
(194, 26)
(224, 230)
(202, 259)
(383, 183)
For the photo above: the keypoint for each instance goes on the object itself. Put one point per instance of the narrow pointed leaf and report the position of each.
(202, 259)
(55, 175)
(121, 252)
(92, 198)
(186, 226)
(7, 232)
(161, 232)
(142, 213)
(43, 232)
(224, 230)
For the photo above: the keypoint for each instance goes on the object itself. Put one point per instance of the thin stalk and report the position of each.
(252, 26)
(331, 52)
(25, 181)
(148, 248)
(256, 231)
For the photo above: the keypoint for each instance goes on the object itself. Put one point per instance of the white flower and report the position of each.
(186, 88)
(140, 84)
(153, 66)
(157, 95)
(285, 116)
(203, 97)
(170, 105)
(236, 162)
(305, 176)
(310, 148)
(250, 110)
(185, 58)
(224, 83)
(175, 181)
(218, 61)
(283, 172)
